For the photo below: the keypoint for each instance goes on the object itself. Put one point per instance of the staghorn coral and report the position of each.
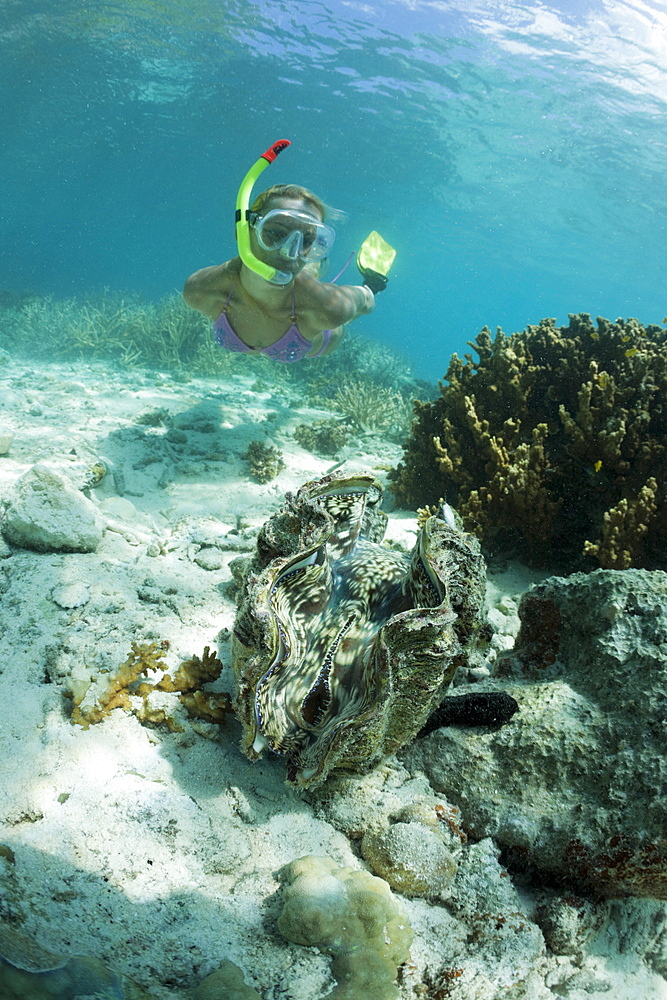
(165, 334)
(372, 408)
(129, 685)
(265, 461)
(553, 445)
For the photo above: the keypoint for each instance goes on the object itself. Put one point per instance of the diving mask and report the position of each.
(294, 235)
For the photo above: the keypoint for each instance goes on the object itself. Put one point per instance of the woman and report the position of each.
(301, 318)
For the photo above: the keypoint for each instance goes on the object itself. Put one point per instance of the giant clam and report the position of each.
(342, 647)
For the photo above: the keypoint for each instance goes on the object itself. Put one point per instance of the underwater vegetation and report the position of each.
(112, 326)
(169, 335)
(552, 446)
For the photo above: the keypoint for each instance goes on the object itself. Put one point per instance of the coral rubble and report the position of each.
(553, 445)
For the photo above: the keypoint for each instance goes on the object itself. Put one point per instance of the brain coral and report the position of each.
(553, 445)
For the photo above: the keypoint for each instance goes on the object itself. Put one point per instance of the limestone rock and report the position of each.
(6, 438)
(70, 595)
(572, 786)
(411, 858)
(45, 513)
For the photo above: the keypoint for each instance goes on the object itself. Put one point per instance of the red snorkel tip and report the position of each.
(274, 149)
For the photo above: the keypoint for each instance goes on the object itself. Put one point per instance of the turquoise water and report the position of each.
(514, 154)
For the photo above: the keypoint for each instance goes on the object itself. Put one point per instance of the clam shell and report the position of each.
(342, 647)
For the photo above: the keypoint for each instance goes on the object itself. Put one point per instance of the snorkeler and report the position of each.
(268, 300)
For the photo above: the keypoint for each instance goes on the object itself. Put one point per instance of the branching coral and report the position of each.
(324, 437)
(167, 334)
(553, 445)
(130, 689)
(373, 408)
(265, 461)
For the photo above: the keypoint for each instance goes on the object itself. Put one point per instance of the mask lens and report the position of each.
(294, 234)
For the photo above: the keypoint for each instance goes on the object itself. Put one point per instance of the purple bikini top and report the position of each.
(292, 346)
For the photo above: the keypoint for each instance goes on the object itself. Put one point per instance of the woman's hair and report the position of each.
(293, 191)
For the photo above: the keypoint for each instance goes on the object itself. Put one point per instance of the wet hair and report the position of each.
(292, 191)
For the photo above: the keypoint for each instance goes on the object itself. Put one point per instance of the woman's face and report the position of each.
(280, 229)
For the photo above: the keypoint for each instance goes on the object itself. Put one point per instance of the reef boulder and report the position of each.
(44, 512)
(573, 787)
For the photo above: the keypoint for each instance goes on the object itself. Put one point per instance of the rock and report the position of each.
(70, 595)
(6, 438)
(210, 557)
(571, 787)
(45, 513)
(411, 858)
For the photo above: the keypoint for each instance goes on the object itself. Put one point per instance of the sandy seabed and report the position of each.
(157, 851)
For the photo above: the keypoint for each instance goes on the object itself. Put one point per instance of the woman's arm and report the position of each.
(330, 306)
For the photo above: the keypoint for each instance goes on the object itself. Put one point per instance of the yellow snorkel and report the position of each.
(242, 213)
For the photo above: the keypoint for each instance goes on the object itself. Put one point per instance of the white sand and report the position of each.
(159, 852)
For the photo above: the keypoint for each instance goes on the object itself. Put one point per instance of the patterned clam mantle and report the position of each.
(342, 647)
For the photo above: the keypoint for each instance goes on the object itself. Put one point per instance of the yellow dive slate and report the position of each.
(375, 255)
(374, 259)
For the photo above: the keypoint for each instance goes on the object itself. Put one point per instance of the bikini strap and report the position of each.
(224, 308)
(293, 309)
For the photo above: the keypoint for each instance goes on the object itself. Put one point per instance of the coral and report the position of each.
(553, 445)
(130, 690)
(353, 916)
(165, 334)
(29, 972)
(324, 437)
(265, 461)
(360, 359)
(226, 983)
(373, 408)
(624, 528)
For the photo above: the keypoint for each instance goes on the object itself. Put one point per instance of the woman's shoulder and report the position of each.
(207, 289)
